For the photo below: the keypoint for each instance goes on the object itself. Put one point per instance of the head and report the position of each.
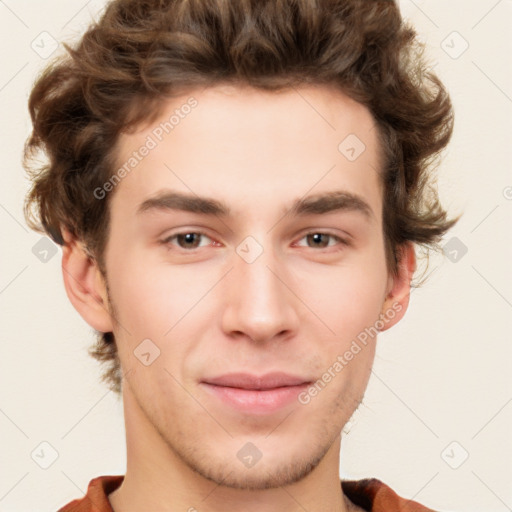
(254, 106)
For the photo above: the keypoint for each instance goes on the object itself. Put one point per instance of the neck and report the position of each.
(158, 478)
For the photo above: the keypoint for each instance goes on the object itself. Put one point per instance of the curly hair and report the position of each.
(140, 52)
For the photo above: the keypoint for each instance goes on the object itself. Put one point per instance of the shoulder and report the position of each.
(373, 495)
(96, 497)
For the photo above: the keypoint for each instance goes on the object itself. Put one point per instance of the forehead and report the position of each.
(241, 145)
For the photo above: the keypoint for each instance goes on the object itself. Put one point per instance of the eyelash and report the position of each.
(342, 241)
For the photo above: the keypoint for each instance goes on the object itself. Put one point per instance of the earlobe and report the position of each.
(84, 284)
(399, 288)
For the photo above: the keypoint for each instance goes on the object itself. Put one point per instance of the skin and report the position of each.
(298, 306)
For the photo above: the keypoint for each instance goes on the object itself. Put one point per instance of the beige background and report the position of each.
(442, 375)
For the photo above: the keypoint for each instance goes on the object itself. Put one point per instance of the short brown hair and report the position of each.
(141, 51)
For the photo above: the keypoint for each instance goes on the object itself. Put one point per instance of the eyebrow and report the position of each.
(317, 204)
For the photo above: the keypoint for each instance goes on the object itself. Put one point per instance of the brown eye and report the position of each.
(186, 240)
(321, 240)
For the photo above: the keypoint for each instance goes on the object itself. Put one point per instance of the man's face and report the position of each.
(259, 290)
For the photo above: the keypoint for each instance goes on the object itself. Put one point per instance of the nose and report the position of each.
(260, 300)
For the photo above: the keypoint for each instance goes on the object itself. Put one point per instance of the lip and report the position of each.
(247, 381)
(256, 394)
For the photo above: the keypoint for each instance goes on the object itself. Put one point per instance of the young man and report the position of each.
(238, 188)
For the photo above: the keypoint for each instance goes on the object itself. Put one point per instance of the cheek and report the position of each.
(349, 303)
(152, 306)
(347, 298)
(159, 301)
(145, 301)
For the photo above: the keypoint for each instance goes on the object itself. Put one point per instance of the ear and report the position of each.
(85, 286)
(399, 288)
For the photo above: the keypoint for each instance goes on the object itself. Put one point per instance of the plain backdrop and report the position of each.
(436, 420)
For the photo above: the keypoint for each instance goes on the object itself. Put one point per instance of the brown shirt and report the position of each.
(370, 494)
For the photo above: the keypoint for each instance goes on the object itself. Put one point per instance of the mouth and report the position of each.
(256, 395)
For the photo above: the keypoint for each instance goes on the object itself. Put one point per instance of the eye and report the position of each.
(190, 240)
(186, 239)
(319, 239)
